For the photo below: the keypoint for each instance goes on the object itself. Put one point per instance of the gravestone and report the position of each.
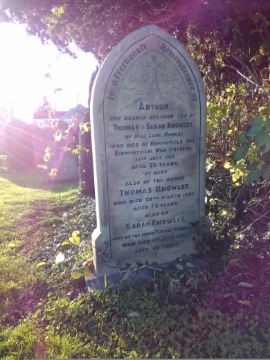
(62, 159)
(19, 146)
(3, 150)
(48, 137)
(39, 149)
(48, 144)
(148, 133)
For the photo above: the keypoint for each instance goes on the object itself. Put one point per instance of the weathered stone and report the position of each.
(39, 149)
(48, 137)
(3, 150)
(148, 130)
(19, 146)
(63, 162)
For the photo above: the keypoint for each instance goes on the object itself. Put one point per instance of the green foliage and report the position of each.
(103, 325)
(29, 213)
(170, 316)
(15, 273)
(52, 221)
(253, 154)
(75, 239)
(85, 127)
(47, 155)
(233, 154)
(65, 346)
(18, 343)
(226, 114)
(84, 270)
(234, 33)
(132, 323)
(173, 315)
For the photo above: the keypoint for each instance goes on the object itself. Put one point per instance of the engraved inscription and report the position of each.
(148, 151)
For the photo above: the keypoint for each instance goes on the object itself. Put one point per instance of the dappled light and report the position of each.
(183, 244)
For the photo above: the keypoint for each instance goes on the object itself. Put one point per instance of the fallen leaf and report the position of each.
(134, 314)
(190, 265)
(244, 302)
(76, 274)
(42, 263)
(86, 271)
(59, 258)
(65, 242)
(76, 233)
(227, 295)
(179, 267)
(75, 240)
(234, 260)
(245, 284)
(47, 157)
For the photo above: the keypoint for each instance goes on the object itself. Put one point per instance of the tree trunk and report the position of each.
(86, 169)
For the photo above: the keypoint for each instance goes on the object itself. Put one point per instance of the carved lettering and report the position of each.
(147, 127)
(153, 106)
(135, 192)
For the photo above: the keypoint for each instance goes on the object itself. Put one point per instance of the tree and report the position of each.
(228, 38)
(95, 25)
(4, 115)
(232, 41)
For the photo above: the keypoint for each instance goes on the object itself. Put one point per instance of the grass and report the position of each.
(185, 313)
(30, 211)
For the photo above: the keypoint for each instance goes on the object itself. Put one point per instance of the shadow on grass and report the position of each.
(36, 179)
(63, 186)
(44, 213)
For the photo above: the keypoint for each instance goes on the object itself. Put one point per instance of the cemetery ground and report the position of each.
(213, 305)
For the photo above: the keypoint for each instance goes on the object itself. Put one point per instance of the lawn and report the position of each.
(209, 306)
